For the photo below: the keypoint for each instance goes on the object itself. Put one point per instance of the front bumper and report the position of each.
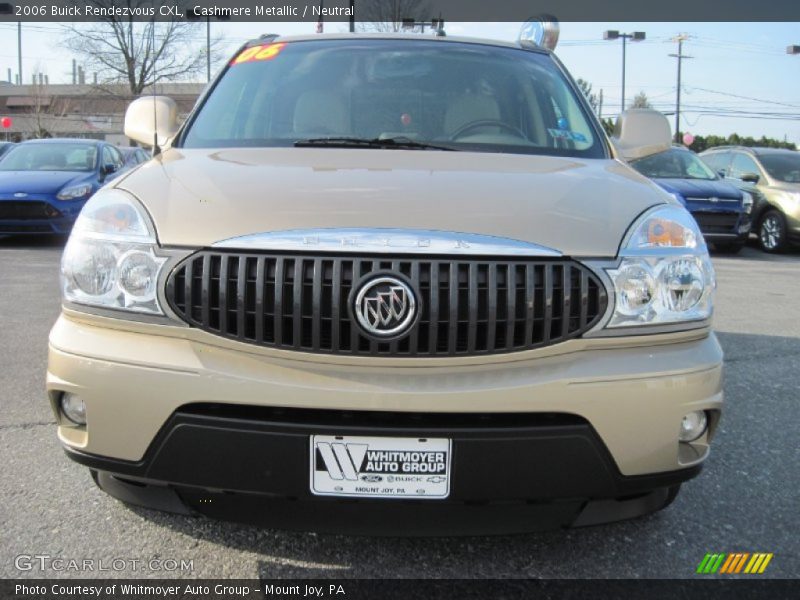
(223, 422)
(739, 234)
(57, 226)
(43, 216)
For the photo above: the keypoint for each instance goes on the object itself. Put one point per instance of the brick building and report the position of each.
(83, 111)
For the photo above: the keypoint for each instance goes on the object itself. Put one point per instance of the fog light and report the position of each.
(693, 426)
(73, 408)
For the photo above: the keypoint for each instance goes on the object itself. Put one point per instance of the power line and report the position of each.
(747, 97)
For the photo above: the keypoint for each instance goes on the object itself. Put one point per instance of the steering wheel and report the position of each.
(487, 123)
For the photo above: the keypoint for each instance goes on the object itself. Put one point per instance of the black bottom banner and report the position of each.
(367, 589)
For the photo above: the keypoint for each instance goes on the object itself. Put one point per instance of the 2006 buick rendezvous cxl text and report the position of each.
(388, 283)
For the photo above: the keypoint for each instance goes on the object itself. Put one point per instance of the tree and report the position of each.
(701, 143)
(121, 50)
(387, 15)
(586, 88)
(46, 110)
(641, 101)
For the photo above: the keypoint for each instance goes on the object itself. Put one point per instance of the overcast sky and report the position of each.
(739, 76)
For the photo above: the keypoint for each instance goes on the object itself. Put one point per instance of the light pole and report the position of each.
(680, 56)
(636, 36)
(352, 16)
(191, 15)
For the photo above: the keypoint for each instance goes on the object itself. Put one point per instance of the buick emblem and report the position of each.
(385, 307)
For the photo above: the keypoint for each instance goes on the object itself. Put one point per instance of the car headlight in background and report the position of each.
(110, 260)
(74, 192)
(747, 203)
(665, 274)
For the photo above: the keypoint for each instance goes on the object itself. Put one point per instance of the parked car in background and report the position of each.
(721, 210)
(134, 156)
(45, 183)
(5, 147)
(775, 175)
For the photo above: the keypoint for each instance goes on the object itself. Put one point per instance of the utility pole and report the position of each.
(600, 106)
(208, 48)
(680, 56)
(352, 16)
(19, 50)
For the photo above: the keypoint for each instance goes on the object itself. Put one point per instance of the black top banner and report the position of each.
(399, 10)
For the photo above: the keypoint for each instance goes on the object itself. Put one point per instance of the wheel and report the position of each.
(772, 232)
(487, 123)
(729, 248)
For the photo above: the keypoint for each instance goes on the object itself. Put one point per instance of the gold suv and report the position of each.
(394, 284)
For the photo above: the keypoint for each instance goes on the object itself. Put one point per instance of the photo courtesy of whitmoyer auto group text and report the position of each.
(399, 299)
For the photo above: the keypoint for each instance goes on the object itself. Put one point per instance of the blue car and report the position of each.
(722, 210)
(45, 183)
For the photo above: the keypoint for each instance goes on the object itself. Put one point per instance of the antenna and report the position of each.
(156, 149)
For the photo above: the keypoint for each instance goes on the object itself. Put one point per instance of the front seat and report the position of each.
(52, 160)
(321, 113)
(470, 108)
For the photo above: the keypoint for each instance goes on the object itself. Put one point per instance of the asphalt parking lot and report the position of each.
(746, 500)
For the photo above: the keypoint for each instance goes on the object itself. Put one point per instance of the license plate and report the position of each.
(380, 467)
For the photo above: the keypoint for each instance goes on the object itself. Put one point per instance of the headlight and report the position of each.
(665, 274)
(110, 260)
(75, 191)
(747, 203)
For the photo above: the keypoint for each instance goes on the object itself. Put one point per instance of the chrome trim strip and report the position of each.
(713, 199)
(387, 241)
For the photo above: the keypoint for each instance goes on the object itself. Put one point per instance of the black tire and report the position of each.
(729, 248)
(772, 232)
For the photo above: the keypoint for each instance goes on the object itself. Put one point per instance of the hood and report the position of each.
(38, 182)
(579, 207)
(700, 188)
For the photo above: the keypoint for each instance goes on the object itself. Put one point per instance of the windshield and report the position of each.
(782, 166)
(50, 157)
(673, 164)
(452, 95)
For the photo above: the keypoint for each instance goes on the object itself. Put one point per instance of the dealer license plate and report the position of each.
(380, 467)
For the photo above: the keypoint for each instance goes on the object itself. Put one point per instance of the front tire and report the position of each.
(772, 232)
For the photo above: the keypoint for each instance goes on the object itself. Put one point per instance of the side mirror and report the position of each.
(751, 177)
(641, 132)
(152, 120)
(107, 169)
(721, 173)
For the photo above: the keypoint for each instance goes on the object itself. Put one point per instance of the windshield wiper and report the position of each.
(395, 143)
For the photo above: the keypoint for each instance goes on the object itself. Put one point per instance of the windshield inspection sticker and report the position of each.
(256, 53)
(566, 134)
(380, 467)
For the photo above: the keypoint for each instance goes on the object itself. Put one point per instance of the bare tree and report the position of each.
(641, 101)
(45, 110)
(387, 15)
(123, 51)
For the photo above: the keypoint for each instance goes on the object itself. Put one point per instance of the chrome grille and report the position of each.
(468, 305)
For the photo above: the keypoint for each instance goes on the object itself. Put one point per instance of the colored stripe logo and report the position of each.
(736, 562)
